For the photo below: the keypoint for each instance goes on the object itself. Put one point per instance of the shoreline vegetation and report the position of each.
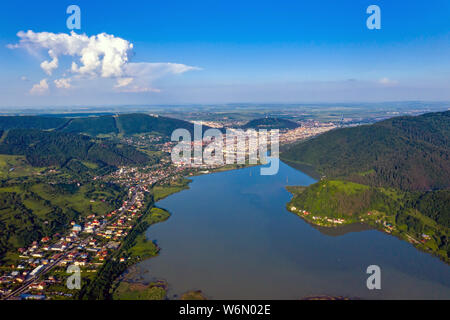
(335, 204)
(134, 249)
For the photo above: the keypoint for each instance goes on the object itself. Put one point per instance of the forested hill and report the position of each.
(409, 153)
(49, 148)
(30, 122)
(270, 123)
(91, 125)
(99, 125)
(139, 123)
(392, 175)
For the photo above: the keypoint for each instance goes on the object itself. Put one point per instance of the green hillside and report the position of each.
(409, 153)
(30, 122)
(270, 123)
(125, 124)
(92, 125)
(140, 123)
(335, 198)
(421, 218)
(48, 148)
(32, 210)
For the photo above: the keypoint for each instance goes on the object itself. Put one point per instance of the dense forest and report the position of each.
(139, 123)
(125, 124)
(91, 125)
(409, 153)
(30, 122)
(49, 148)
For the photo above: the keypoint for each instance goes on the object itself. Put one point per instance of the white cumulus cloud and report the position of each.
(40, 88)
(63, 83)
(49, 66)
(97, 56)
(123, 82)
(158, 69)
(141, 74)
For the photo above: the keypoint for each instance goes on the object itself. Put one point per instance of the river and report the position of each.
(231, 236)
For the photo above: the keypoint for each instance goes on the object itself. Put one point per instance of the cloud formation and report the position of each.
(123, 82)
(63, 83)
(40, 88)
(387, 82)
(143, 73)
(97, 56)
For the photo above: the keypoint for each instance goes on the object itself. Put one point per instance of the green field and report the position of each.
(32, 207)
(193, 295)
(161, 192)
(16, 166)
(138, 291)
(86, 199)
(142, 247)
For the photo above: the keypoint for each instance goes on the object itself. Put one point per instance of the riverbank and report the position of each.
(208, 234)
(143, 249)
(102, 285)
(320, 215)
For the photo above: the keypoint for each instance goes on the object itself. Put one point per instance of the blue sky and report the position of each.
(233, 51)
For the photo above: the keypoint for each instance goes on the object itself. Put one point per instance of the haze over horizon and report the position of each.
(217, 53)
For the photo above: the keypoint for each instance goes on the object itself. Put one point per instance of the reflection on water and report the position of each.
(341, 230)
(231, 236)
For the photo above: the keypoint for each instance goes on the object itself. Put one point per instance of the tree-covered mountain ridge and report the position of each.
(409, 153)
(126, 124)
(393, 175)
(50, 148)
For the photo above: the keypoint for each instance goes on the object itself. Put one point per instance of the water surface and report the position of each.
(231, 236)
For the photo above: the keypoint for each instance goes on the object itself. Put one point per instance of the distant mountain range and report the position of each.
(270, 123)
